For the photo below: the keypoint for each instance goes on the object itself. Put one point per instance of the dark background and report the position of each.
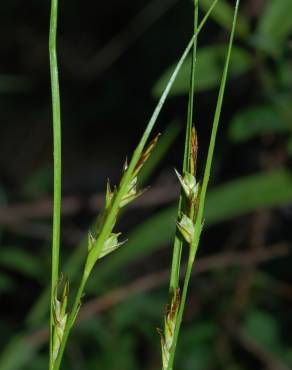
(113, 59)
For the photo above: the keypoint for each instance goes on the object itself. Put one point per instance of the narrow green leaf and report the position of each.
(18, 353)
(274, 25)
(21, 261)
(257, 120)
(240, 196)
(263, 328)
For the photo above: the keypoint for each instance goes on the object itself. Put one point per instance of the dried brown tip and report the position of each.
(194, 152)
(145, 155)
(174, 305)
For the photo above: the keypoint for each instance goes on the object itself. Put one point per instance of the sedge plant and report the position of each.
(191, 206)
(104, 239)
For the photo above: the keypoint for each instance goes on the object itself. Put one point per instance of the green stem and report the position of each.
(198, 224)
(216, 120)
(57, 160)
(178, 243)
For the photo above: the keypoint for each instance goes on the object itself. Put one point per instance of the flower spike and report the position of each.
(60, 319)
(169, 327)
(145, 155)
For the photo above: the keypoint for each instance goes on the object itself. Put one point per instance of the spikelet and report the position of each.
(131, 192)
(110, 245)
(188, 181)
(108, 195)
(145, 155)
(189, 185)
(169, 327)
(186, 228)
(60, 319)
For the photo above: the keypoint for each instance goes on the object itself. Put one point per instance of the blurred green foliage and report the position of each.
(258, 133)
(210, 62)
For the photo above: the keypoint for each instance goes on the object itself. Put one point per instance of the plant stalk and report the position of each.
(199, 219)
(57, 161)
(178, 243)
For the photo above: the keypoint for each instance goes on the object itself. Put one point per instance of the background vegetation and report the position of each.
(114, 61)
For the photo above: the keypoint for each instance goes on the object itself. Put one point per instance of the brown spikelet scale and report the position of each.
(167, 335)
(145, 155)
(194, 152)
(174, 305)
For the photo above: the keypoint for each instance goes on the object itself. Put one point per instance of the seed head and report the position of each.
(132, 193)
(60, 319)
(186, 228)
(189, 185)
(145, 155)
(169, 327)
(111, 244)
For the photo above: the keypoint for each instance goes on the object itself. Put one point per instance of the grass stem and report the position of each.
(57, 161)
(178, 243)
(202, 196)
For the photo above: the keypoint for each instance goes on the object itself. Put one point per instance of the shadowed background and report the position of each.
(114, 60)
